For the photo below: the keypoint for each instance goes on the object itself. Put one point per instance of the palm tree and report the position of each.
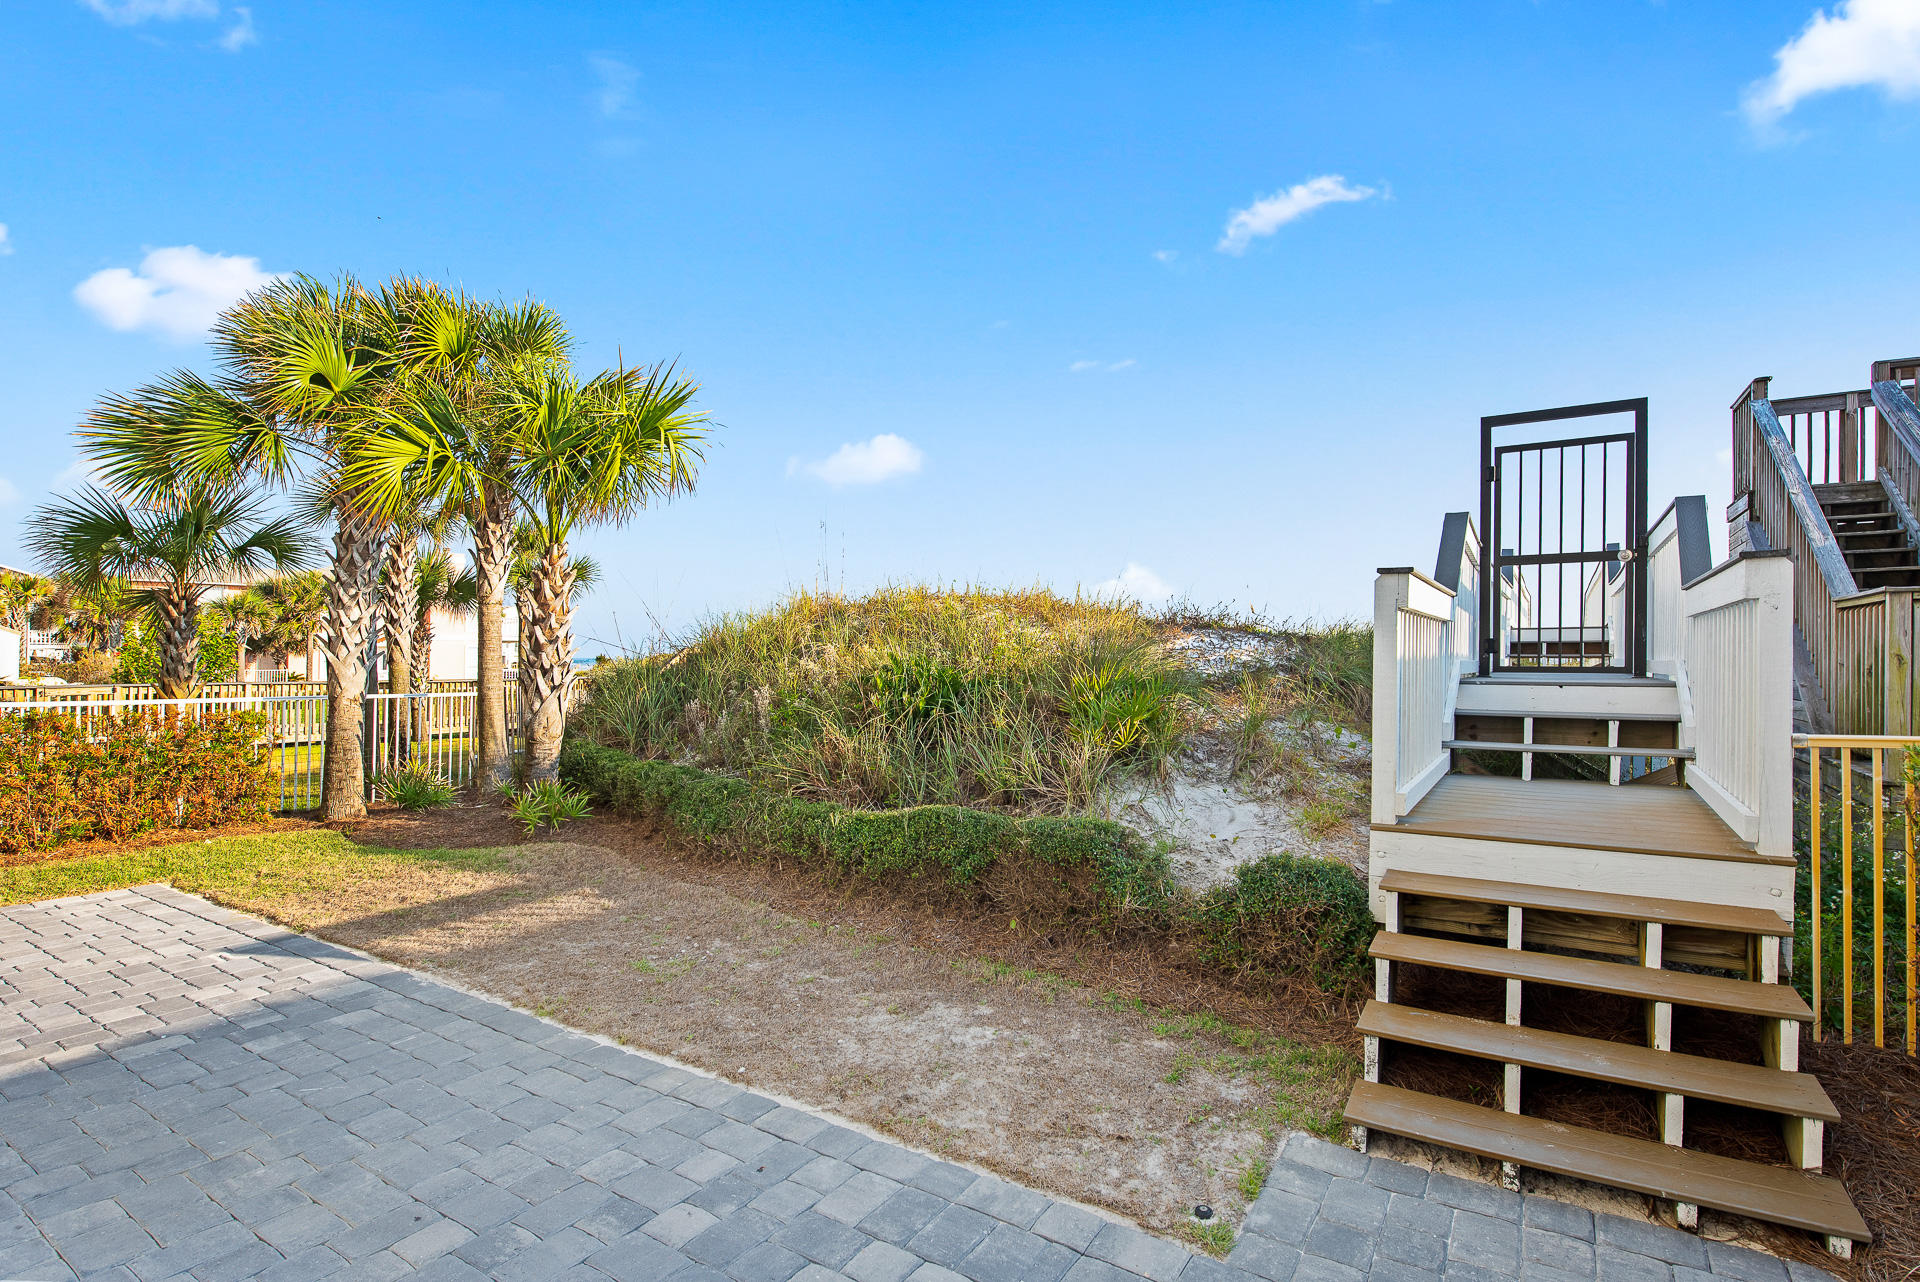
(91, 617)
(442, 439)
(287, 611)
(586, 453)
(303, 364)
(443, 584)
(95, 540)
(19, 595)
(529, 550)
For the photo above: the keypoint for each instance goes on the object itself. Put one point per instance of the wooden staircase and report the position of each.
(1574, 1030)
(1872, 536)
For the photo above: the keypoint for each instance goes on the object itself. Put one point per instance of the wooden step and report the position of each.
(1668, 1072)
(1816, 1203)
(1593, 903)
(1869, 578)
(1589, 749)
(1578, 814)
(1682, 988)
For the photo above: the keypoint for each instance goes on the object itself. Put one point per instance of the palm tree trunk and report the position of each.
(546, 648)
(492, 549)
(351, 595)
(423, 657)
(179, 642)
(398, 599)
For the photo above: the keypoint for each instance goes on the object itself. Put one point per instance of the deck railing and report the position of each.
(1425, 635)
(1857, 924)
(1736, 678)
(1784, 504)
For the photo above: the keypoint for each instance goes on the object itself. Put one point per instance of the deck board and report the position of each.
(1569, 812)
(1814, 1202)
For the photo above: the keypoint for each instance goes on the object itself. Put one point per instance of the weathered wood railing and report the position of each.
(1842, 952)
(1783, 502)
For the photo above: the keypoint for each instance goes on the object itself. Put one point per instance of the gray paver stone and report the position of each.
(1355, 1204)
(766, 1263)
(1728, 1260)
(952, 1235)
(1265, 1258)
(1070, 1226)
(1655, 1240)
(1559, 1217)
(1334, 1159)
(730, 1238)
(1136, 1252)
(677, 1225)
(821, 1240)
(881, 1262)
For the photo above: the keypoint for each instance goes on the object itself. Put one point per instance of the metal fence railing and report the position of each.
(1857, 918)
(433, 730)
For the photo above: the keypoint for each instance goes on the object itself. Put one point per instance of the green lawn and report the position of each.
(251, 870)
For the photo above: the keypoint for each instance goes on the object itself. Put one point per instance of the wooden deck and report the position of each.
(1589, 816)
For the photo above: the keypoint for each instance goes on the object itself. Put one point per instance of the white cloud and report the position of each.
(241, 33)
(9, 493)
(125, 13)
(868, 462)
(1135, 583)
(1081, 367)
(1166, 255)
(1861, 44)
(82, 471)
(618, 81)
(6, 241)
(1270, 213)
(177, 291)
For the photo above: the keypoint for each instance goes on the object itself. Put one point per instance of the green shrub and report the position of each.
(548, 804)
(413, 788)
(127, 773)
(139, 659)
(1281, 918)
(1284, 913)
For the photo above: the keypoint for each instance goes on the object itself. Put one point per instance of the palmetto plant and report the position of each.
(91, 617)
(288, 611)
(585, 453)
(441, 583)
(19, 594)
(303, 364)
(442, 440)
(95, 539)
(529, 550)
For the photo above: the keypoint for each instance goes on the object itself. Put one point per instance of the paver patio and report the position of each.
(191, 1092)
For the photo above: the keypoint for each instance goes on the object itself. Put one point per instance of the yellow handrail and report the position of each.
(1876, 746)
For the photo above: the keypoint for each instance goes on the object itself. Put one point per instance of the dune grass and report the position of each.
(1014, 700)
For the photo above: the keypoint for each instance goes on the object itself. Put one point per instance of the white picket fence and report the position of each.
(433, 731)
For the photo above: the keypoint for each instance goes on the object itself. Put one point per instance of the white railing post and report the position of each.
(1414, 676)
(1739, 672)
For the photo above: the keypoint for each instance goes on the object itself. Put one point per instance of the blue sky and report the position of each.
(1002, 293)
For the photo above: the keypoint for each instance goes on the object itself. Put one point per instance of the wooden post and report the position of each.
(1899, 662)
(1849, 439)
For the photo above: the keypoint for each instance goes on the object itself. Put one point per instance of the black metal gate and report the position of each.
(1565, 585)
